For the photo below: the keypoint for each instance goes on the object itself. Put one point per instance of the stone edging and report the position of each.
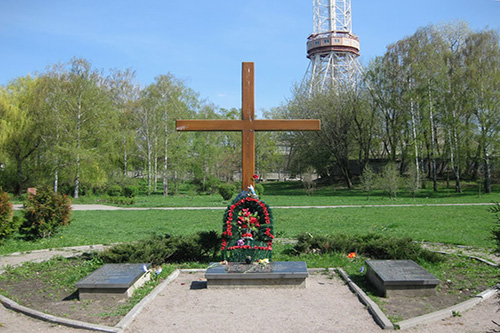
(379, 317)
(10, 304)
(382, 320)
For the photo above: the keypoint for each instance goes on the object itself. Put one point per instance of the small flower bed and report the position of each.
(247, 230)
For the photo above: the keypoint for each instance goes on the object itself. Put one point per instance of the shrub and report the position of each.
(130, 191)
(120, 200)
(367, 179)
(227, 191)
(374, 246)
(208, 185)
(496, 231)
(115, 191)
(157, 250)
(390, 180)
(259, 189)
(45, 212)
(8, 224)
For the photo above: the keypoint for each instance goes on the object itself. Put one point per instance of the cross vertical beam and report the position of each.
(248, 134)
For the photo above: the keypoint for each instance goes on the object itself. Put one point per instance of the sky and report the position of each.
(204, 42)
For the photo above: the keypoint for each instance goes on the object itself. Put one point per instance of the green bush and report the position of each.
(374, 246)
(208, 185)
(130, 191)
(259, 189)
(201, 247)
(227, 191)
(8, 224)
(115, 191)
(45, 212)
(496, 231)
(119, 200)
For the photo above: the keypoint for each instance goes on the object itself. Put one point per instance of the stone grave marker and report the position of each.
(113, 280)
(400, 278)
(280, 274)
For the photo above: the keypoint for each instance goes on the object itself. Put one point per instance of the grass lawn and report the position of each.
(464, 225)
(293, 194)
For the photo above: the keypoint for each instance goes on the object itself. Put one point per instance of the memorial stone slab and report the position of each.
(240, 275)
(113, 280)
(400, 277)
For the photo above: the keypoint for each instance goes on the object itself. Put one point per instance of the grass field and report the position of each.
(464, 225)
(293, 194)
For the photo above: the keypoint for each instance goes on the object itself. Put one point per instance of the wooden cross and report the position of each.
(248, 125)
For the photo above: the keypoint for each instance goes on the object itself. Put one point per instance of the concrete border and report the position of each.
(10, 304)
(380, 318)
(448, 312)
(373, 308)
(132, 314)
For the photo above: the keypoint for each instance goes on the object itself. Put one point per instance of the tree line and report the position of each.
(431, 104)
(75, 129)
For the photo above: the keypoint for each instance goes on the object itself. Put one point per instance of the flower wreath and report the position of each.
(247, 229)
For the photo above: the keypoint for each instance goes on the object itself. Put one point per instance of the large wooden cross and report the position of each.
(248, 125)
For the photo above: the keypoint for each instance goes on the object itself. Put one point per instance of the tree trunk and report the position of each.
(149, 148)
(433, 139)
(165, 160)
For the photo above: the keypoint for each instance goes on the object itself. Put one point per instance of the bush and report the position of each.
(209, 185)
(130, 191)
(259, 189)
(374, 246)
(8, 224)
(119, 200)
(45, 212)
(227, 191)
(157, 250)
(496, 231)
(115, 191)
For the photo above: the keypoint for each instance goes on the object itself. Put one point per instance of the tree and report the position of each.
(482, 58)
(87, 121)
(19, 131)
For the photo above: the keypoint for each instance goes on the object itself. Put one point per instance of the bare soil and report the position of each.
(40, 294)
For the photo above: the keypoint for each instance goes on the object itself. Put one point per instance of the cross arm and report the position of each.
(256, 125)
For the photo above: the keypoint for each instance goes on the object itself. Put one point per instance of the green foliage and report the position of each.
(208, 184)
(227, 191)
(374, 246)
(120, 200)
(496, 231)
(368, 178)
(157, 250)
(389, 180)
(259, 189)
(130, 191)
(8, 224)
(115, 191)
(45, 212)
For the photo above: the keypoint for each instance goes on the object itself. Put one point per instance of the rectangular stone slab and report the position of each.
(275, 274)
(113, 279)
(402, 277)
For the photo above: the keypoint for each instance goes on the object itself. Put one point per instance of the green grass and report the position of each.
(462, 225)
(293, 194)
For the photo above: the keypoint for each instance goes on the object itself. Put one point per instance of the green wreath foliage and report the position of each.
(253, 242)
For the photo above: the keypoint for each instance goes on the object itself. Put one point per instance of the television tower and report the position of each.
(332, 47)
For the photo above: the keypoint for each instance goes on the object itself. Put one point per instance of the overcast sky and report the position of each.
(204, 42)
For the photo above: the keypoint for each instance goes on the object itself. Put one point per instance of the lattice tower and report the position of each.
(332, 47)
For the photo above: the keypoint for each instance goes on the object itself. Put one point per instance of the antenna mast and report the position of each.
(332, 47)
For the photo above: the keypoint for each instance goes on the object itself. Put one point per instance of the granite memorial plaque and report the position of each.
(291, 274)
(113, 280)
(400, 277)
